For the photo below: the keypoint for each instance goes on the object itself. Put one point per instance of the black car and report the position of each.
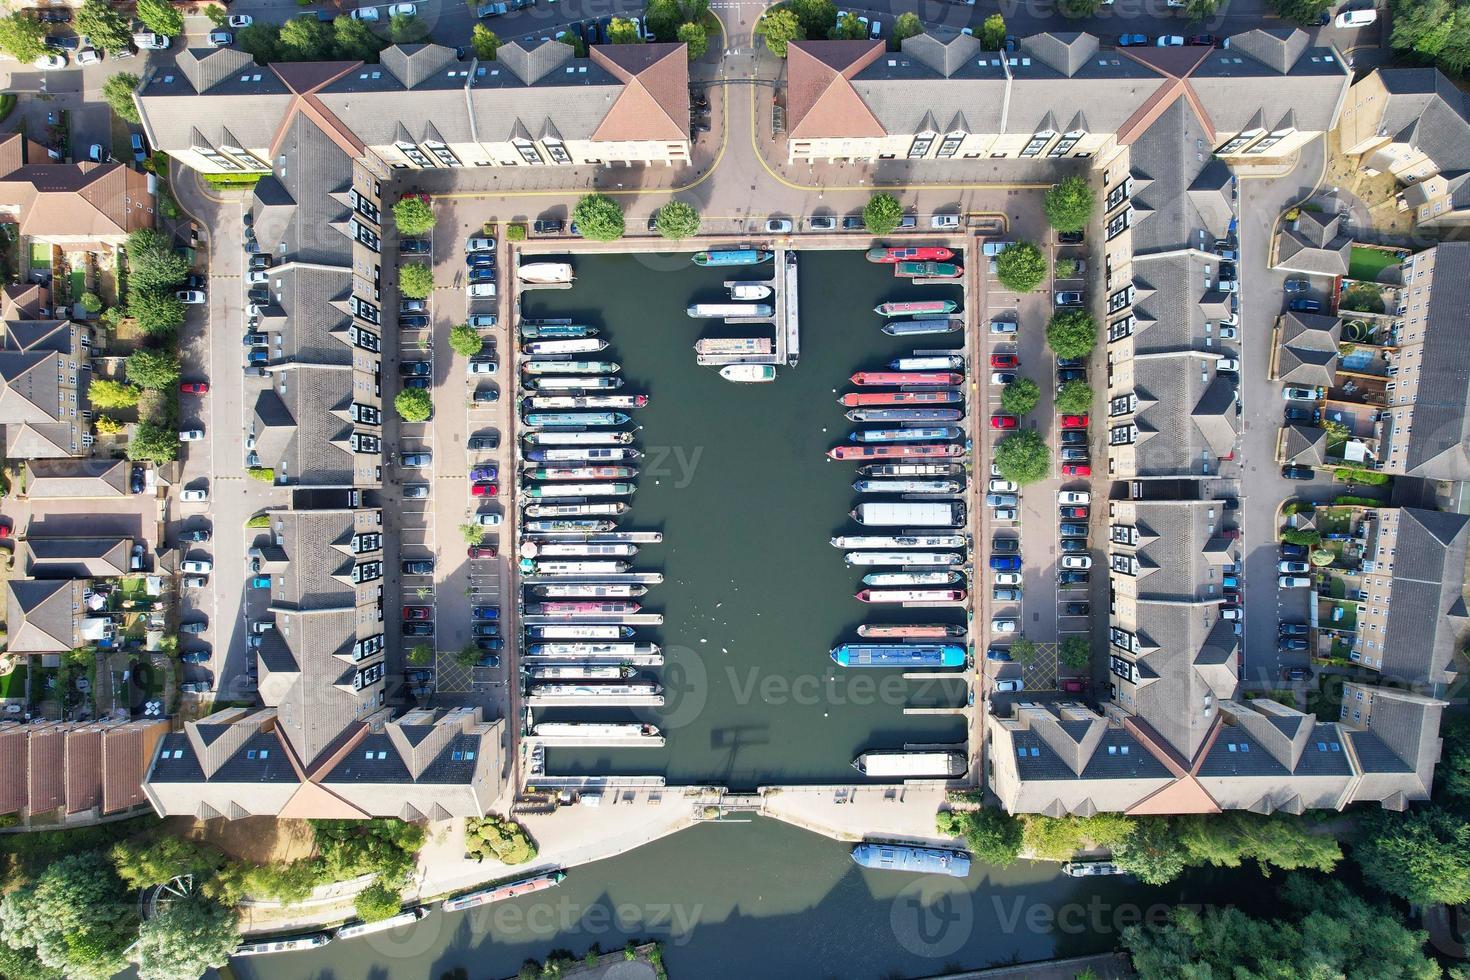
(419, 676)
(1291, 643)
(485, 629)
(1071, 362)
(136, 483)
(1296, 673)
(415, 491)
(423, 384)
(54, 15)
(1292, 629)
(195, 281)
(198, 535)
(1074, 437)
(1294, 551)
(1073, 545)
(64, 42)
(407, 305)
(418, 629)
(1073, 578)
(488, 660)
(259, 261)
(1070, 374)
(1068, 529)
(1005, 546)
(1071, 237)
(418, 566)
(1303, 415)
(491, 441)
(415, 369)
(1296, 472)
(414, 321)
(259, 294)
(413, 246)
(484, 396)
(853, 222)
(1306, 305)
(549, 226)
(1077, 608)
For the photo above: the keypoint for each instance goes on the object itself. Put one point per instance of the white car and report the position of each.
(479, 244)
(1074, 497)
(150, 41)
(403, 10)
(1355, 18)
(482, 365)
(944, 221)
(1229, 364)
(1298, 394)
(480, 290)
(489, 520)
(1002, 485)
(194, 582)
(190, 297)
(50, 60)
(365, 13)
(876, 30)
(191, 435)
(1170, 41)
(1002, 625)
(778, 226)
(1005, 513)
(89, 56)
(1292, 567)
(1077, 562)
(1229, 333)
(1009, 686)
(241, 20)
(1293, 582)
(1007, 578)
(194, 496)
(1001, 377)
(202, 566)
(1003, 326)
(259, 277)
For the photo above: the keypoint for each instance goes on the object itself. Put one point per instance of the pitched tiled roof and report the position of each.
(43, 616)
(654, 104)
(820, 99)
(1439, 446)
(97, 201)
(77, 478)
(1426, 611)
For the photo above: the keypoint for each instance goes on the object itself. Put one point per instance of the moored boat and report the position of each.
(903, 558)
(579, 672)
(889, 579)
(910, 253)
(917, 860)
(880, 596)
(354, 929)
(748, 290)
(946, 513)
(577, 383)
(908, 486)
(585, 631)
(550, 402)
(569, 345)
(920, 326)
(852, 541)
(733, 256)
(748, 373)
(916, 307)
(870, 379)
(733, 346)
(1087, 869)
(558, 567)
(897, 450)
(499, 893)
(706, 310)
(614, 489)
(590, 590)
(533, 329)
(581, 472)
(912, 469)
(595, 454)
(578, 438)
(591, 730)
(592, 650)
(931, 631)
(600, 509)
(595, 692)
(928, 270)
(899, 655)
(904, 414)
(575, 524)
(285, 944)
(545, 272)
(911, 764)
(572, 419)
(540, 366)
(585, 608)
(559, 549)
(853, 399)
(928, 362)
(924, 433)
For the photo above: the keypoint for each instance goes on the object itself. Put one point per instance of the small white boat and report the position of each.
(748, 373)
(748, 290)
(285, 944)
(903, 558)
(354, 929)
(580, 672)
(545, 272)
(579, 345)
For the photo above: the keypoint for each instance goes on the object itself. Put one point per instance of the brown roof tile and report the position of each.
(820, 99)
(654, 103)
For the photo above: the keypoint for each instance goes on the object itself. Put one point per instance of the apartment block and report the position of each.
(45, 367)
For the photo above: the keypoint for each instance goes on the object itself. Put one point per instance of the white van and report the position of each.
(149, 41)
(481, 290)
(1355, 18)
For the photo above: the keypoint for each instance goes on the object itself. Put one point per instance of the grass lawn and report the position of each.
(1336, 588)
(40, 256)
(1367, 263)
(1333, 520)
(13, 684)
(78, 284)
(1349, 620)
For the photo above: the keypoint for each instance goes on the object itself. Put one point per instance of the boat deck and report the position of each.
(534, 700)
(595, 619)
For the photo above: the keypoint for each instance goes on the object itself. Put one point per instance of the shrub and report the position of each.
(622, 31)
(153, 443)
(598, 218)
(1306, 537)
(1071, 333)
(1020, 266)
(1069, 204)
(259, 521)
(262, 474)
(1074, 398)
(992, 835)
(485, 43)
(107, 425)
(106, 393)
(472, 533)
(420, 654)
(22, 37)
(1023, 651)
(515, 233)
(993, 33)
(1020, 396)
(414, 405)
(1353, 474)
(696, 37)
(677, 220)
(882, 214)
(415, 280)
(1065, 268)
(465, 340)
(499, 838)
(1023, 457)
(1350, 501)
(906, 25)
(412, 215)
(377, 902)
(1075, 652)
(156, 370)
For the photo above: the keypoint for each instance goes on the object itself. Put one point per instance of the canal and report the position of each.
(736, 478)
(770, 900)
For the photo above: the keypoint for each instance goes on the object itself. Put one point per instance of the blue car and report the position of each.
(998, 655)
(258, 355)
(1231, 582)
(487, 612)
(481, 474)
(139, 154)
(1005, 563)
(482, 273)
(260, 582)
(1133, 41)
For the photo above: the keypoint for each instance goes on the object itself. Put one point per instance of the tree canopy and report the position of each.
(107, 393)
(992, 835)
(377, 902)
(598, 218)
(1020, 396)
(906, 25)
(848, 28)
(117, 92)
(779, 27)
(1074, 398)
(305, 39)
(154, 369)
(1023, 457)
(157, 313)
(413, 405)
(696, 37)
(465, 340)
(882, 214)
(677, 220)
(1434, 31)
(105, 27)
(663, 18)
(1075, 652)
(1068, 204)
(415, 280)
(412, 215)
(407, 29)
(1020, 266)
(993, 33)
(623, 31)
(1422, 856)
(161, 17)
(1304, 12)
(1071, 333)
(187, 939)
(815, 16)
(355, 40)
(22, 37)
(75, 916)
(485, 42)
(154, 265)
(153, 443)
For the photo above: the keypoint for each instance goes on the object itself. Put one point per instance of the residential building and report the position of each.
(1313, 243)
(77, 479)
(65, 772)
(76, 206)
(1060, 95)
(422, 108)
(49, 617)
(46, 557)
(45, 366)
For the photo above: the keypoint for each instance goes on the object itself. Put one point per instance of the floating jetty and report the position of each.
(723, 347)
(928, 362)
(902, 763)
(915, 860)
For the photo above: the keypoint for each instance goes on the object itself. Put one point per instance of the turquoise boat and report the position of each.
(899, 655)
(733, 256)
(534, 331)
(538, 419)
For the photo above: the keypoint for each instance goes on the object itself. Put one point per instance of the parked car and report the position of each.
(1074, 421)
(1006, 594)
(1003, 421)
(482, 321)
(1169, 41)
(998, 327)
(149, 41)
(1073, 512)
(1003, 624)
(1294, 551)
(1133, 40)
(944, 222)
(413, 246)
(1001, 378)
(1200, 40)
(1295, 673)
(1295, 472)
(1073, 454)
(485, 612)
(418, 612)
(474, 260)
(260, 582)
(1009, 686)
(491, 441)
(1292, 629)
(418, 566)
(415, 491)
(411, 368)
(1070, 530)
(481, 551)
(241, 20)
(1073, 437)
(482, 365)
(489, 520)
(1005, 546)
(485, 396)
(1077, 608)
(547, 226)
(1305, 305)
(1008, 578)
(1077, 469)
(413, 321)
(1073, 497)
(483, 489)
(998, 655)
(1001, 485)
(1073, 578)
(485, 471)
(1072, 545)
(1291, 643)
(1001, 500)
(1070, 374)
(191, 435)
(1069, 297)
(1355, 18)
(778, 226)
(200, 566)
(418, 629)
(1292, 567)
(1306, 415)
(1296, 285)
(1004, 362)
(221, 38)
(1076, 562)
(1292, 393)
(824, 222)
(194, 687)
(854, 222)
(365, 13)
(415, 461)
(1293, 582)
(1005, 563)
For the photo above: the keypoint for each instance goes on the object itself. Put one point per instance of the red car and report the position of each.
(482, 551)
(1074, 686)
(1076, 469)
(194, 387)
(1074, 513)
(1004, 362)
(1074, 421)
(1003, 421)
(417, 612)
(483, 490)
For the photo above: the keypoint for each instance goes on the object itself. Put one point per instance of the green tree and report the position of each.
(1069, 204)
(1153, 853)
(1336, 431)
(216, 14)
(465, 340)
(504, 840)
(1422, 856)
(992, 835)
(578, 46)
(848, 28)
(161, 17)
(1306, 12)
(472, 533)
(622, 31)
(91, 302)
(598, 218)
(993, 33)
(779, 27)
(305, 39)
(377, 902)
(1020, 267)
(154, 265)
(677, 221)
(882, 214)
(1306, 537)
(815, 16)
(23, 964)
(1277, 841)
(117, 92)
(696, 37)
(187, 939)
(1075, 652)
(261, 41)
(407, 29)
(1199, 10)
(156, 370)
(1065, 268)
(106, 393)
(663, 18)
(153, 443)
(1023, 457)
(1071, 333)
(22, 37)
(467, 656)
(415, 280)
(1023, 651)
(157, 313)
(354, 40)
(1077, 9)
(105, 27)
(515, 233)
(1074, 398)
(1019, 397)
(76, 916)
(414, 405)
(905, 26)
(421, 654)
(485, 42)
(412, 215)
